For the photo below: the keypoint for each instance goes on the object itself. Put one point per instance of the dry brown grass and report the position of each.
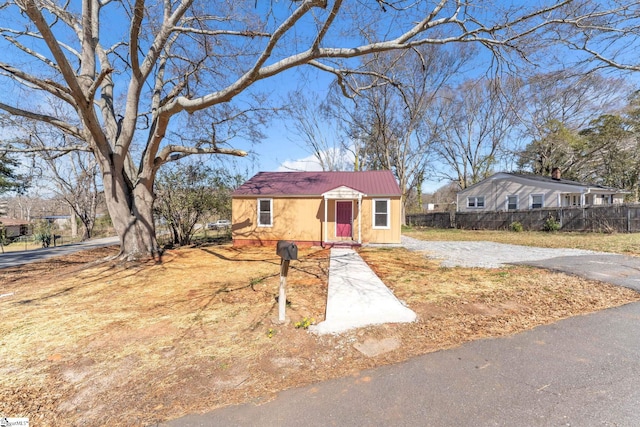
(105, 343)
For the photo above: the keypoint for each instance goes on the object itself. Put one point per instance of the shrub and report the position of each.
(551, 225)
(516, 226)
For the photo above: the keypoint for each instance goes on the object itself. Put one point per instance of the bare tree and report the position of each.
(319, 132)
(387, 121)
(73, 176)
(473, 126)
(129, 86)
(557, 104)
(76, 182)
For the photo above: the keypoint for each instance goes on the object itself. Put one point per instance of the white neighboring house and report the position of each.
(512, 191)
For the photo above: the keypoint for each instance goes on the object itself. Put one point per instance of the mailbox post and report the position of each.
(287, 251)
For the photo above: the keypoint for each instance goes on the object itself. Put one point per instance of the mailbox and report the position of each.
(287, 250)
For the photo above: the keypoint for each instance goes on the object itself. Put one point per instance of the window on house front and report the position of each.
(512, 203)
(537, 201)
(381, 213)
(475, 202)
(265, 212)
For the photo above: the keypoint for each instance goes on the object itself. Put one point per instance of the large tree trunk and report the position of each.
(131, 212)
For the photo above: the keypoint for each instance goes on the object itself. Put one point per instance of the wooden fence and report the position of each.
(618, 218)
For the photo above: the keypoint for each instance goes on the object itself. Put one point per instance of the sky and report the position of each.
(279, 150)
(282, 149)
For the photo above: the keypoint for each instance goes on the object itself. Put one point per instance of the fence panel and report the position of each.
(433, 220)
(607, 219)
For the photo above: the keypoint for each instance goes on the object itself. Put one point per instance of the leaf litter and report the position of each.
(89, 341)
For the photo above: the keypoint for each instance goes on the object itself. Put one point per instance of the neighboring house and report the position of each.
(14, 228)
(61, 221)
(511, 191)
(317, 208)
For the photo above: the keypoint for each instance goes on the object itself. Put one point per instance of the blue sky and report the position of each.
(280, 148)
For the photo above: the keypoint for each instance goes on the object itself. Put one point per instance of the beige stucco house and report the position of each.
(317, 208)
(511, 191)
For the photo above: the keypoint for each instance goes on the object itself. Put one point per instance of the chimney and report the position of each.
(556, 174)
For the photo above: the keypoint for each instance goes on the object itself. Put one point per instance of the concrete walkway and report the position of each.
(357, 297)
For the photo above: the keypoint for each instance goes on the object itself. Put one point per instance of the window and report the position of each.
(380, 213)
(475, 202)
(265, 212)
(537, 201)
(512, 203)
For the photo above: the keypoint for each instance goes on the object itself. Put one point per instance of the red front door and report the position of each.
(343, 219)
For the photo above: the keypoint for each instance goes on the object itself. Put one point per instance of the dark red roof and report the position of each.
(371, 183)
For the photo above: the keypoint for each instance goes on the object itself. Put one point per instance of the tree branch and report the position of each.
(47, 85)
(63, 126)
(175, 152)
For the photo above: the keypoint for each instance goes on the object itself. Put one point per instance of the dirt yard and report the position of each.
(92, 342)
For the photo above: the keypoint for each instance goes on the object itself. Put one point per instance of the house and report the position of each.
(317, 208)
(512, 191)
(60, 221)
(14, 228)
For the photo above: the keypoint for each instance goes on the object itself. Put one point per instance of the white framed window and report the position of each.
(475, 202)
(537, 201)
(512, 203)
(381, 213)
(265, 212)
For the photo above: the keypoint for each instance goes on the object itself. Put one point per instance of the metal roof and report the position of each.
(371, 183)
(567, 184)
(12, 221)
(548, 179)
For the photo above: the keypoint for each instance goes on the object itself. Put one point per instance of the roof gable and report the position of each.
(342, 192)
(371, 183)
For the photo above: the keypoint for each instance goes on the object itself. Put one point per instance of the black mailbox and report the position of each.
(287, 250)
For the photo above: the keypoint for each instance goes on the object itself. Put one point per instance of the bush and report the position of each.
(516, 226)
(551, 225)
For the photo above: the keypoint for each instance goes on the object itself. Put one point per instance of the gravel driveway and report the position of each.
(486, 254)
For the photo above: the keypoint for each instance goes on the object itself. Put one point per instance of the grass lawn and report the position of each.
(87, 341)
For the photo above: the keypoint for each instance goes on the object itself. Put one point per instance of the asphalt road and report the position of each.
(12, 259)
(619, 270)
(582, 371)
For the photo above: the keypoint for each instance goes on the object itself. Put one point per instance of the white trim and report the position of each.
(517, 202)
(531, 200)
(343, 193)
(359, 218)
(336, 217)
(373, 214)
(475, 201)
(270, 213)
(324, 225)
